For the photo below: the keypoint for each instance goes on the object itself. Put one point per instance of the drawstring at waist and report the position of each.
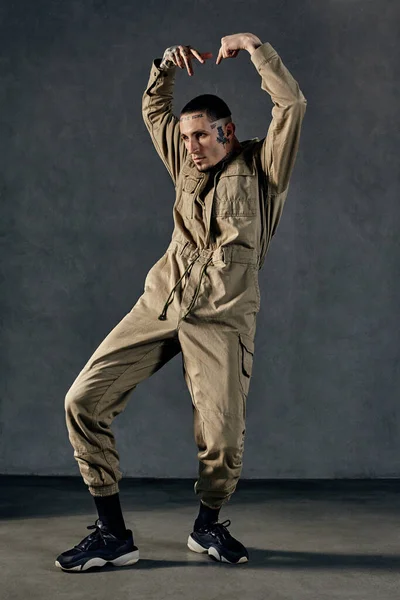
(219, 256)
(197, 290)
(169, 300)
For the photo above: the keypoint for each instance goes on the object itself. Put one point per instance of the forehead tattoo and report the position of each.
(190, 117)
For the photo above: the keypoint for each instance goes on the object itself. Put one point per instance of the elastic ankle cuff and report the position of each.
(106, 490)
(212, 507)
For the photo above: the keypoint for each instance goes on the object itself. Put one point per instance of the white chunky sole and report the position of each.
(195, 547)
(122, 561)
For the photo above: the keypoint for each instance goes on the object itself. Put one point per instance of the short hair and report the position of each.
(213, 106)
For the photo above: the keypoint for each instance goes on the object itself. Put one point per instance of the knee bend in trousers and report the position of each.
(75, 403)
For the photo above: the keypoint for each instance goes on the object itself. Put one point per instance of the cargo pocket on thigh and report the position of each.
(246, 355)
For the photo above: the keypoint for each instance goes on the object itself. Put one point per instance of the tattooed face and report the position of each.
(206, 142)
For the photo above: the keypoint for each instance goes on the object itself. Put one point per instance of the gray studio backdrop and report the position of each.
(87, 209)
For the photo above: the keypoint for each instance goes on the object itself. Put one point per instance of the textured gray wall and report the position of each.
(86, 211)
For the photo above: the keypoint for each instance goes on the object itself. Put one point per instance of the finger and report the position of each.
(201, 56)
(187, 60)
(177, 59)
(225, 53)
(220, 56)
(197, 55)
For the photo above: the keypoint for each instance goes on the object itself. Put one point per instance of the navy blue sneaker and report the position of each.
(99, 548)
(215, 539)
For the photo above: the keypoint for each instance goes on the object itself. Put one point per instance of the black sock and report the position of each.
(206, 515)
(110, 513)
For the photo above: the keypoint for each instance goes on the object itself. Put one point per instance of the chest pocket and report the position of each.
(236, 193)
(188, 194)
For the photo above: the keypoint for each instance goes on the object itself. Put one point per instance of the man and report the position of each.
(201, 298)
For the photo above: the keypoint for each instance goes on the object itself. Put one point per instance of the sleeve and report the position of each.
(279, 148)
(160, 121)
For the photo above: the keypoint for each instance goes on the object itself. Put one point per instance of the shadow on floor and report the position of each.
(271, 559)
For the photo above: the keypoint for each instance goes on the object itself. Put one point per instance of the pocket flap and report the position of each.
(189, 184)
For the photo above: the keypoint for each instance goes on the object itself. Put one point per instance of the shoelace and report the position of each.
(85, 543)
(218, 530)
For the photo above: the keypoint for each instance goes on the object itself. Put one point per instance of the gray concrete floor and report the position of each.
(307, 540)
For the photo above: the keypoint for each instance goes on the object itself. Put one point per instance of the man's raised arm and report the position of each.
(279, 148)
(158, 116)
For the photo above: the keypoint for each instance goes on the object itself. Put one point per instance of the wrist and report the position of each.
(252, 47)
(252, 43)
(166, 65)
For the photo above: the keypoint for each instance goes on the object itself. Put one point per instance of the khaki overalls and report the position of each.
(201, 297)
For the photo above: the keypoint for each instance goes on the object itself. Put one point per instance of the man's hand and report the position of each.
(232, 44)
(181, 56)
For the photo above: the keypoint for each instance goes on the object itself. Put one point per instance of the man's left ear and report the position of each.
(230, 129)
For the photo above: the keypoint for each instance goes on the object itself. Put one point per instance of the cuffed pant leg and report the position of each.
(129, 354)
(217, 370)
